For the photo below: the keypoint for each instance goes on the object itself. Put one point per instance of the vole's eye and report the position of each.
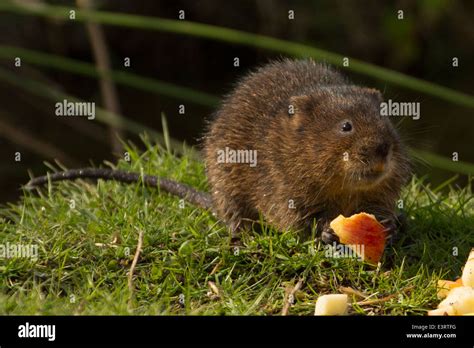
(346, 126)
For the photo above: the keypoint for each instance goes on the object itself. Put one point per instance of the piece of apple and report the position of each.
(458, 295)
(334, 304)
(468, 271)
(445, 286)
(449, 310)
(361, 230)
(461, 299)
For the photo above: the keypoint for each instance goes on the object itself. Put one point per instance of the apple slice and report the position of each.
(458, 295)
(361, 229)
(333, 304)
(468, 271)
(445, 286)
(460, 300)
(448, 310)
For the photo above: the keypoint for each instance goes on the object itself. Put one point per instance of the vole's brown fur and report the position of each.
(307, 167)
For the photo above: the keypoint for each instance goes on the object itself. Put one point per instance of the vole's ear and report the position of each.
(373, 94)
(299, 104)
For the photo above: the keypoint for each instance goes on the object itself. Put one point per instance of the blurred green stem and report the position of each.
(156, 87)
(242, 38)
(107, 87)
(441, 162)
(121, 77)
(102, 115)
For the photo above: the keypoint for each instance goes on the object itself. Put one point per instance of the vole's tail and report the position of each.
(200, 199)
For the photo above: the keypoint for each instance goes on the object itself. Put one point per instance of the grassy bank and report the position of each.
(87, 235)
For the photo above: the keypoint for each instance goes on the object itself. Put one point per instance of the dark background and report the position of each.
(422, 45)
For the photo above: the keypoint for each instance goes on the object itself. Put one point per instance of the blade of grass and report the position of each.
(242, 38)
(441, 162)
(446, 183)
(121, 77)
(166, 133)
(102, 115)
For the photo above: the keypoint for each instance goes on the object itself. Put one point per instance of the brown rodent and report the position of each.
(322, 149)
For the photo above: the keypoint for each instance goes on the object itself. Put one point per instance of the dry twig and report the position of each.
(134, 263)
(351, 291)
(107, 86)
(383, 299)
(289, 297)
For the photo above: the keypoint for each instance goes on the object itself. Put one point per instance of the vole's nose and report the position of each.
(382, 150)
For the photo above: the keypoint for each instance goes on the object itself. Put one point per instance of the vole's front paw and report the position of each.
(393, 226)
(328, 236)
(391, 230)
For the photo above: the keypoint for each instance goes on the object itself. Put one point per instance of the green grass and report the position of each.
(85, 252)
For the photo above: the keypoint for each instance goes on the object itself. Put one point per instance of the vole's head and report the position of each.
(344, 139)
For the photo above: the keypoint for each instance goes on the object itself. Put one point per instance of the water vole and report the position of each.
(321, 146)
(317, 146)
